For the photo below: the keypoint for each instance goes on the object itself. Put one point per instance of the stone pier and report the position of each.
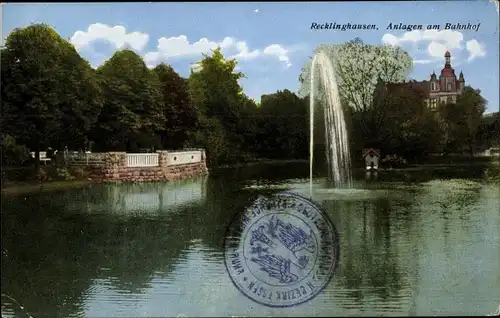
(160, 166)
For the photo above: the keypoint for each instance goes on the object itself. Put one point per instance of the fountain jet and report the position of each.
(337, 143)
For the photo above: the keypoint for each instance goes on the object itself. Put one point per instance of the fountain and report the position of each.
(338, 157)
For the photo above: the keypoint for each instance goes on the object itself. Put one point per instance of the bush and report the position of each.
(46, 174)
(493, 172)
(13, 154)
(63, 174)
(79, 173)
(394, 161)
(43, 175)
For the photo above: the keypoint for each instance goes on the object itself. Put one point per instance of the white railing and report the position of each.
(142, 160)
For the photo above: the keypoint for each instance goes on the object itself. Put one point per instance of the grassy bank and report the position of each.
(10, 187)
(25, 179)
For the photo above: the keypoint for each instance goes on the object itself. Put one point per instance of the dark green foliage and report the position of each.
(462, 122)
(13, 154)
(283, 126)
(133, 109)
(179, 112)
(50, 96)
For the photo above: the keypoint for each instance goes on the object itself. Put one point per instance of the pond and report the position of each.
(411, 243)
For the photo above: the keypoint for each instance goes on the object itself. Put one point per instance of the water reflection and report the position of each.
(431, 247)
(367, 256)
(63, 249)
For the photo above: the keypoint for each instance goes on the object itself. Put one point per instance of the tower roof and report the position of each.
(447, 71)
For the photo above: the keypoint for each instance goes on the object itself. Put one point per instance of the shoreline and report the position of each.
(259, 161)
(13, 187)
(17, 187)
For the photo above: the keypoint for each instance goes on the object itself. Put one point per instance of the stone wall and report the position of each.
(115, 169)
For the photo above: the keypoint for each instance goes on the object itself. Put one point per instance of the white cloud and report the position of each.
(475, 49)
(244, 52)
(451, 39)
(180, 46)
(439, 43)
(436, 49)
(117, 36)
(390, 39)
(280, 52)
(174, 47)
(423, 61)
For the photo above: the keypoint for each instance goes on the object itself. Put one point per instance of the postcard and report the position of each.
(240, 159)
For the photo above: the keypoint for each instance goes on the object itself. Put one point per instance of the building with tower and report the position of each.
(442, 89)
(447, 87)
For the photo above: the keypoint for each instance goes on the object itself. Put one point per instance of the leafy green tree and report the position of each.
(359, 67)
(180, 114)
(283, 125)
(49, 94)
(408, 127)
(218, 98)
(215, 89)
(133, 111)
(463, 120)
(211, 136)
(248, 125)
(489, 130)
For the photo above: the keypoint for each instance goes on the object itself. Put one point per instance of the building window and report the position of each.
(433, 86)
(449, 86)
(433, 103)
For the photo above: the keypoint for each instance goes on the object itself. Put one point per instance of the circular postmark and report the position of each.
(282, 250)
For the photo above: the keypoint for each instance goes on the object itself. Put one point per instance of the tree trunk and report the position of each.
(471, 152)
(37, 160)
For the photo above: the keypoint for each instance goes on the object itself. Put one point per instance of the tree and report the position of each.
(489, 130)
(215, 89)
(283, 125)
(49, 95)
(218, 98)
(463, 119)
(12, 153)
(248, 124)
(211, 136)
(133, 111)
(359, 67)
(180, 114)
(408, 126)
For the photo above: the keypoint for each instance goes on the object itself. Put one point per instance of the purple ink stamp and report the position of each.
(282, 250)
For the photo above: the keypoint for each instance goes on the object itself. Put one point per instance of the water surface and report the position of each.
(414, 243)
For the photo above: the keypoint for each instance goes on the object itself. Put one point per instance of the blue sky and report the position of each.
(272, 41)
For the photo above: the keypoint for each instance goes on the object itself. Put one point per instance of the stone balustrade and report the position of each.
(160, 166)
